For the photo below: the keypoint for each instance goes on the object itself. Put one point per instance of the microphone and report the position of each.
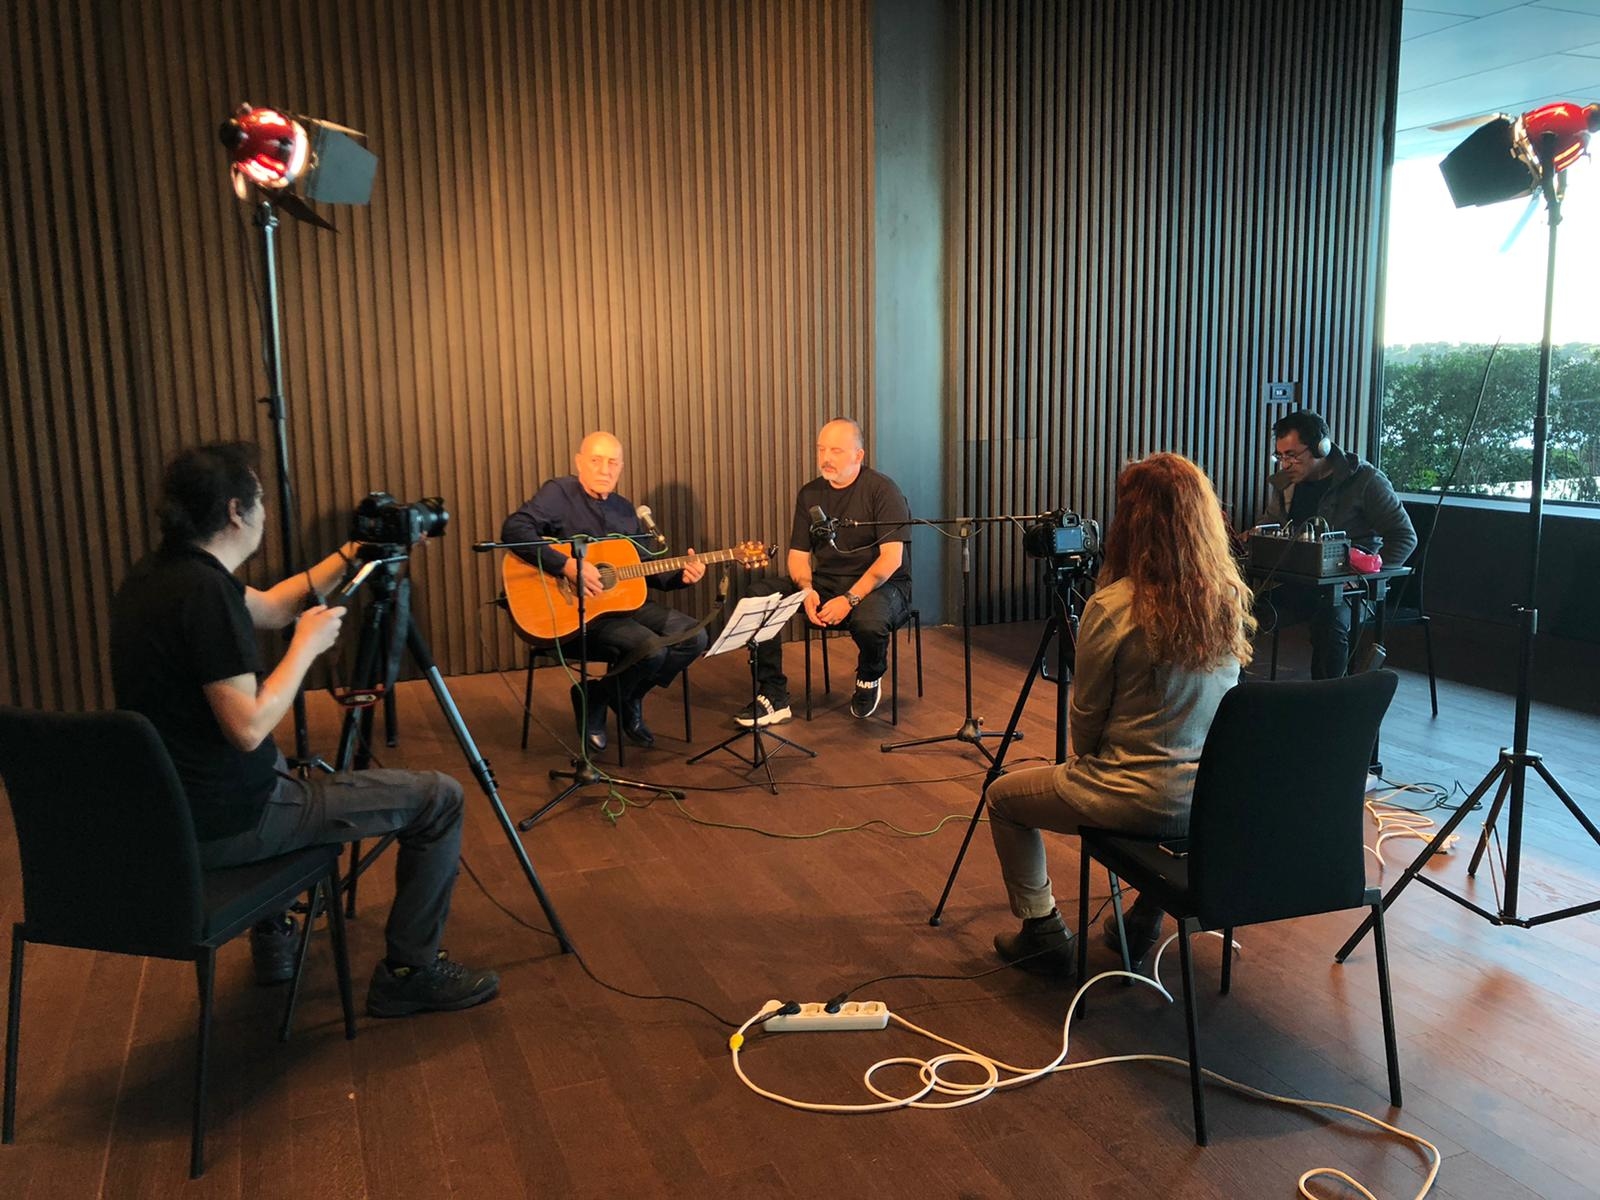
(648, 520)
(821, 524)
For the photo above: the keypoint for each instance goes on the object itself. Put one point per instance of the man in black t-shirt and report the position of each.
(1318, 481)
(184, 654)
(860, 574)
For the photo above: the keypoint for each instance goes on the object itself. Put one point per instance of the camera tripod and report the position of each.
(375, 674)
(1063, 626)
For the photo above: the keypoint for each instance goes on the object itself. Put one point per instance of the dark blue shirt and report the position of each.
(562, 508)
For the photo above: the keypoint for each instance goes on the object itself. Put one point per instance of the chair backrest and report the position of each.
(109, 858)
(1406, 604)
(1277, 825)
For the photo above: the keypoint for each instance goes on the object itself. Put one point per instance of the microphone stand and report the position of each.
(583, 773)
(971, 731)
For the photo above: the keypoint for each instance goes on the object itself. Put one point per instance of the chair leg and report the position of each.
(806, 637)
(1427, 647)
(616, 691)
(894, 679)
(827, 683)
(314, 903)
(8, 1127)
(688, 727)
(527, 702)
(1273, 673)
(1227, 959)
(341, 955)
(205, 970)
(1083, 925)
(1386, 1002)
(1186, 928)
(916, 624)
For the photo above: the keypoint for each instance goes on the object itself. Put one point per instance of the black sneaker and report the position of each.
(442, 986)
(273, 945)
(767, 710)
(865, 701)
(1043, 946)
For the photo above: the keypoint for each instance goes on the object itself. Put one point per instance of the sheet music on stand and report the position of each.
(754, 620)
(758, 619)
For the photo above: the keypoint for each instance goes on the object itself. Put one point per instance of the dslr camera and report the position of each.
(381, 520)
(1063, 537)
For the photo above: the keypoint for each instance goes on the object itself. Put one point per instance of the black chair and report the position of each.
(110, 862)
(569, 657)
(1405, 606)
(1275, 832)
(912, 621)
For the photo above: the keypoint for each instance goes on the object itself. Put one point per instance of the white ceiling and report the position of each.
(1463, 58)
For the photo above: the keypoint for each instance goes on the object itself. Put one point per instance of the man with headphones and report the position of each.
(1316, 479)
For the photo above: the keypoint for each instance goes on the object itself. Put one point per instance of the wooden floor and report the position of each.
(561, 1088)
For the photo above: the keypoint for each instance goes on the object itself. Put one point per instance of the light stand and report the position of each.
(1511, 769)
(971, 731)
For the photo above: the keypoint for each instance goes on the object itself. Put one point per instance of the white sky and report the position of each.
(1448, 280)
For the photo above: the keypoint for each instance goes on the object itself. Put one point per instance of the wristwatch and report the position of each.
(852, 598)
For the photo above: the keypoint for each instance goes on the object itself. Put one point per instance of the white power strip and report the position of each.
(866, 1014)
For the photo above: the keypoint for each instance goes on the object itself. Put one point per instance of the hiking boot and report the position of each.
(1043, 946)
(442, 986)
(865, 701)
(273, 946)
(1143, 925)
(767, 710)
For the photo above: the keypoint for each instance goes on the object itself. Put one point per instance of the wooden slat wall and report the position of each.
(652, 217)
(1161, 208)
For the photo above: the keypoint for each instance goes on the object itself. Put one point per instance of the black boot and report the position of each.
(590, 715)
(632, 714)
(1143, 922)
(1043, 946)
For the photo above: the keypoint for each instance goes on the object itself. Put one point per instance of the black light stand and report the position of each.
(971, 731)
(1063, 626)
(374, 677)
(1511, 769)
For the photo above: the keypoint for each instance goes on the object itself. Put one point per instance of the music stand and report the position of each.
(754, 620)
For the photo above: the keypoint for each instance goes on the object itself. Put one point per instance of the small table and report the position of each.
(1374, 587)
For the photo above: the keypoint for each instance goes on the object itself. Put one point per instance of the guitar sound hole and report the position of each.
(608, 576)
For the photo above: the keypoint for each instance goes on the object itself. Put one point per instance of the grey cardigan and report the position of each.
(1137, 726)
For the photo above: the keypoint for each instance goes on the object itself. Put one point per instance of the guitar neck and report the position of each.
(661, 566)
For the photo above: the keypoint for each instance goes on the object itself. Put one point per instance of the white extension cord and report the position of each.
(1393, 821)
(998, 1074)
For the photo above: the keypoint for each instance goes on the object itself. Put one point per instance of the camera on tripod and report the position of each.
(1063, 537)
(381, 520)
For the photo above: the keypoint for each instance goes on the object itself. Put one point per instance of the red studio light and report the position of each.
(1570, 123)
(266, 148)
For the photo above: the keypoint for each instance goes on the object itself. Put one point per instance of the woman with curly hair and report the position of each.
(1159, 644)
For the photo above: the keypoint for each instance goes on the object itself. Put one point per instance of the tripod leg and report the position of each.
(1488, 825)
(1422, 859)
(485, 777)
(1561, 794)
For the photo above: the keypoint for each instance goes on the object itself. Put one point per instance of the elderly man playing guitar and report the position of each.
(588, 503)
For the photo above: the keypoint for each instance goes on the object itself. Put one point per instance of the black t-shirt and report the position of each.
(872, 497)
(1307, 495)
(179, 622)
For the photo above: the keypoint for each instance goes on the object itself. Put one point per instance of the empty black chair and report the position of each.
(1406, 606)
(110, 862)
(911, 621)
(1275, 832)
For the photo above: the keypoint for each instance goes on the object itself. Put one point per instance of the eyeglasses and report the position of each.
(1292, 456)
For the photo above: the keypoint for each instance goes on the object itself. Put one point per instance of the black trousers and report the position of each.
(871, 624)
(423, 807)
(615, 637)
(1327, 614)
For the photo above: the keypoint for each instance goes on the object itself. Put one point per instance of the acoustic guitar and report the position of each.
(545, 607)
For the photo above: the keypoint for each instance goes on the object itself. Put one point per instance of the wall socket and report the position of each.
(1282, 393)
